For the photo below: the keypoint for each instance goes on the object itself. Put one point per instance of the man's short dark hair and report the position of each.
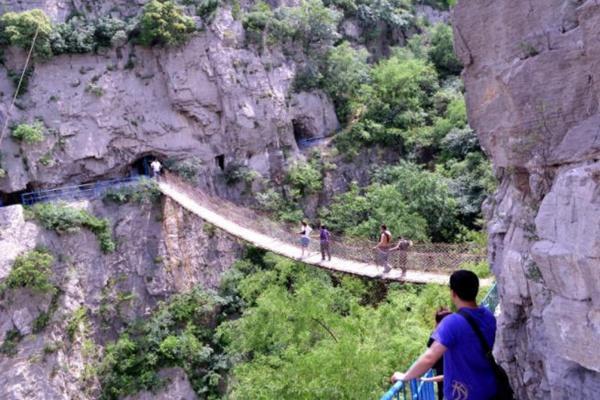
(383, 226)
(465, 284)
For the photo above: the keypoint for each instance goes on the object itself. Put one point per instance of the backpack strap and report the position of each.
(505, 391)
(484, 344)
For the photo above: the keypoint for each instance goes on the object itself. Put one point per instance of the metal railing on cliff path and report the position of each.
(419, 390)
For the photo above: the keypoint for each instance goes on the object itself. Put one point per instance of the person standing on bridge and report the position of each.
(383, 248)
(305, 238)
(402, 248)
(155, 167)
(469, 371)
(324, 237)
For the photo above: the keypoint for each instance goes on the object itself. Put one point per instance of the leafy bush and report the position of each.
(29, 133)
(207, 8)
(188, 168)
(235, 173)
(15, 77)
(481, 269)
(110, 31)
(18, 29)
(76, 322)
(305, 178)
(145, 191)
(441, 52)
(74, 36)
(164, 23)
(64, 219)
(11, 340)
(32, 270)
(177, 334)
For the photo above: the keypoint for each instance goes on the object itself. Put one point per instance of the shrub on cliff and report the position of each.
(18, 29)
(65, 219)
(32, 270)
(29, 133)
(164, 23)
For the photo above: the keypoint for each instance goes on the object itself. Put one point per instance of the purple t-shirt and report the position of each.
(468, 375)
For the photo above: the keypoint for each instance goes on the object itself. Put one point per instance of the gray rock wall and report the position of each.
(209, 97)
(162, 250)
(531, 75)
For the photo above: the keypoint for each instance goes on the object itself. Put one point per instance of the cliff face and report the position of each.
(531, 76)
(208, 98)
(161, 250)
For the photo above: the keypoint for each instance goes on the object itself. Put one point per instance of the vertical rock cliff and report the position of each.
(532, 81)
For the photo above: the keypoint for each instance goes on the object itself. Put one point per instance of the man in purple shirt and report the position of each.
(468, 375)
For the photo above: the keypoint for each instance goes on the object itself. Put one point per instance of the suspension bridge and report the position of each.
(426, 263)
(422, 263)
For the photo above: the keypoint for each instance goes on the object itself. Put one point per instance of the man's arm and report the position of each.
(423, 364)
(379, 243)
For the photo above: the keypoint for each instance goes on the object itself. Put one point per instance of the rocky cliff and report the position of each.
(161, 250)
(532, 81)
(211, 102)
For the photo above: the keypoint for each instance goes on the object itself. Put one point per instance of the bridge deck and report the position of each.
(290, 251)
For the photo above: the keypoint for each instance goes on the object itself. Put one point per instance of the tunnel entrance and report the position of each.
(301, 132)
(12, 198)
(141, 166)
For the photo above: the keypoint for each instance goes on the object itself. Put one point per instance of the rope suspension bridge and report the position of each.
(421, 263)
(424, 263)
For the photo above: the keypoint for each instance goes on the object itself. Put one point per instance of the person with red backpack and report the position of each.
(324, 237)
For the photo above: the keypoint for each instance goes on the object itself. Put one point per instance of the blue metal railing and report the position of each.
(77, 192)
(425, 390)
(419, 390)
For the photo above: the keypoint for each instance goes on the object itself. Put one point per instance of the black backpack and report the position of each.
(505, 392)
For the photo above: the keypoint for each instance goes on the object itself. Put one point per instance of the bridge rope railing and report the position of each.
(420, 390)
(432, 257)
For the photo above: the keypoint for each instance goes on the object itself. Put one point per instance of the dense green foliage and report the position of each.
(64, 219)
(277, 329)
(29, 133)
(412, 201)
(19, 29)
(145, 191)
(177, 334)
(32, 270)
(163, 22)
(304, 334)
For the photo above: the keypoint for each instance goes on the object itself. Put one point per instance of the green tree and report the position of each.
(346, 70)
(401, 91)
(19, 29)
(441, 52)
(307, 335)
(163, 22)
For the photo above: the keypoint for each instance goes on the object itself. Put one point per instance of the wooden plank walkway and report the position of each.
(293, 252)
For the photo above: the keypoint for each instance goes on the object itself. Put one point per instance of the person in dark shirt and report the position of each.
(439, 365)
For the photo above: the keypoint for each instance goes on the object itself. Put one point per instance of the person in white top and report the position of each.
(305, 237)
(155, 166)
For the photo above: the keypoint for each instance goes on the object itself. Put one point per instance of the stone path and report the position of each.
(290, 251)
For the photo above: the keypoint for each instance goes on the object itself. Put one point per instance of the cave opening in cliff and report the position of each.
(141, 166)
(301, 132)
(220, 161)
(12, 198)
